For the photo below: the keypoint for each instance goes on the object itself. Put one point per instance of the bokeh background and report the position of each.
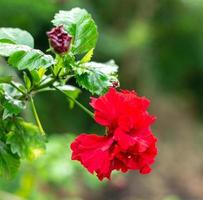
(158, 45)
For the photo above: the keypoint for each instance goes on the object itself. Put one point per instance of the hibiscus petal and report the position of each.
(93, 153)
(107, 108)
(145, 170)
(123, 139)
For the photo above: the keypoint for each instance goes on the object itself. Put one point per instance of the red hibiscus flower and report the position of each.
(129, 143)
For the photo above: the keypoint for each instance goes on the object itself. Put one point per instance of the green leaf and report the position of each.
(7, 49)
(88, 56)
(12, 106)
(32, 59)
(16, 36)
(9, 162)
(27, 81)
(107, 68)
(23, 57)
(96, 77)
(25, 140)
(41, 72)
(9, 99)
(37, 76)
(78, 23)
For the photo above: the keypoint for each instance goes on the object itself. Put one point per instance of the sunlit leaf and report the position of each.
(87, 56)
(25, 140)
(27, 81)
(16, 36)
(24, 57)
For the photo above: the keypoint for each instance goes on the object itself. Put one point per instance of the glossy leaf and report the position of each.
(7, 49)
(16, 36)
(24, 57)
(96, 77)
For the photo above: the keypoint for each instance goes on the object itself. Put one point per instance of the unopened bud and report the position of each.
(59, 39)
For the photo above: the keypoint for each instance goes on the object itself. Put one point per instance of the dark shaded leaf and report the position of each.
(9, 162)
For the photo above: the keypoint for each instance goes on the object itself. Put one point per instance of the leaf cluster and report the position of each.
(41, 72)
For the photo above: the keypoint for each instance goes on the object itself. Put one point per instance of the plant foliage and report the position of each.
(42, 72)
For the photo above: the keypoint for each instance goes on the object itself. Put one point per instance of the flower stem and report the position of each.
(76, 102)
(49, 83)
(36, 116)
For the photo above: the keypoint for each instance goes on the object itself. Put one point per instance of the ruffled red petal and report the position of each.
(93, 153)
(108, 108)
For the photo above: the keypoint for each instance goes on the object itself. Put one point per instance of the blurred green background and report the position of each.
(158, 45)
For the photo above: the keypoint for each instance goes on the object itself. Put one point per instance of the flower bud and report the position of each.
(59, 39)
(115, 84)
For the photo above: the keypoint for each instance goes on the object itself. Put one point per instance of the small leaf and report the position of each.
(88, 56)
(26, 140)
(16, 36)
(9, 162)
(96, 77)
(27, 81)
(41, 72)
(78, 23)
(35, 77)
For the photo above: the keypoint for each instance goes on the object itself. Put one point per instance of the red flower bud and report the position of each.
(59, 39)
(115, 84)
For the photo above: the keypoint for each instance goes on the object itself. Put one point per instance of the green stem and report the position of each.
(17, 88)
(49, 83)
(76, 102)
(36, 116)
